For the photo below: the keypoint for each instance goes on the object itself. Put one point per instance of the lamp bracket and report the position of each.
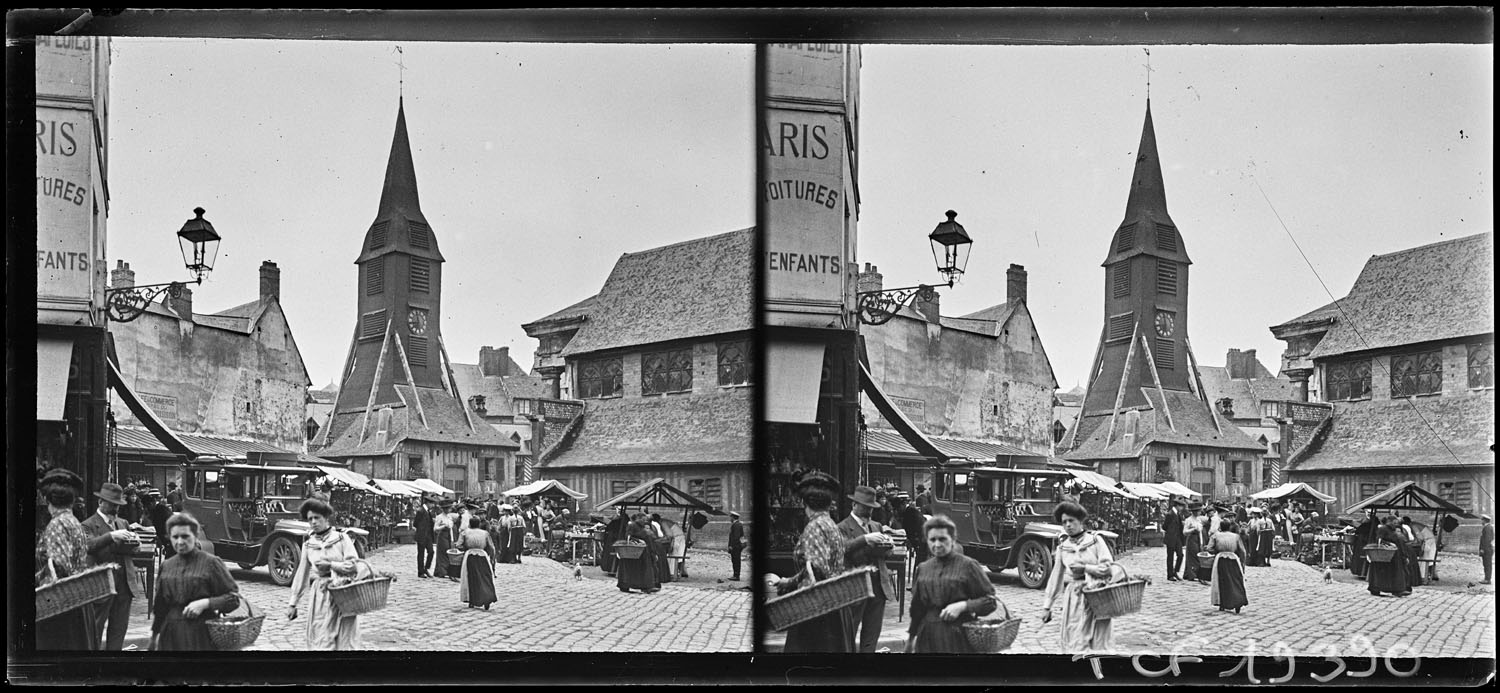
(879, 307)
(127, 304)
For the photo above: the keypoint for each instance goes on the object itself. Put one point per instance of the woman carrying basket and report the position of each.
(639, 573)
(1389, 576)
(948, 590)
(63, 545)
(1226, 586)
(821, 547)
(1082, 560)
(325, 552)
(476, 584)
(191, 588)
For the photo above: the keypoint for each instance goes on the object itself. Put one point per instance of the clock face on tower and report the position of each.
(1165, 323)
(416, 321)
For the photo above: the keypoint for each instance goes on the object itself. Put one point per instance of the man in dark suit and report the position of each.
(112, 541)
(866, 545)
(174, 497)
(1487, 548)
(1172, 527)
(421, 525)
(736, 542)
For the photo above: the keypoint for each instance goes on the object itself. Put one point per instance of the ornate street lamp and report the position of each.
(950, 251)
(200, 247)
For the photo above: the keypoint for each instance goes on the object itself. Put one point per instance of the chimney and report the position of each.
(871, 279)
(1015, 284)
(504, 359)
(270, 280)
(1251, 371)
(492, 360)
(477, 404)
(122, 277)
(182, 305)
(930, 309)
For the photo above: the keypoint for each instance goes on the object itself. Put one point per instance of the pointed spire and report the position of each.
(399, 196)
(1148, 194)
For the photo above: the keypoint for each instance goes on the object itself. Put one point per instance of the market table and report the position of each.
(896, 560)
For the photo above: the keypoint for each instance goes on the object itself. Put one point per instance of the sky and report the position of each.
(537, 166)
(1357, 150)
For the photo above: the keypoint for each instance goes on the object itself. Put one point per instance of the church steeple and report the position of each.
(399, 196)
(1148, 194)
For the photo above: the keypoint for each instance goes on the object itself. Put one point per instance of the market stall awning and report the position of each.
(396, 487)
(1295, 490)
(1098, 481)
(794, 372)
(147, 417)
(430, 486)
(1407, 495)
(543, 486)
(346, 476)
(54, 358)
(1145, 490)
(1177, 489)
(908, 430)
(657, 493)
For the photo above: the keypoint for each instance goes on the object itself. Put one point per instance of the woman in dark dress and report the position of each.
(821, 547)
(476, 578)
(948, 590)
(1389, 576)
(1359, 564)
(1227, 585)
(516, 538)
(639, 573)
(1192, 533)
(192, 588)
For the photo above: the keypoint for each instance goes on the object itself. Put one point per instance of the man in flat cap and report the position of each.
(112, 541)
(736, 543)
(866, 545)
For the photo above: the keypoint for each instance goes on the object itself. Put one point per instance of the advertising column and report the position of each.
(809, 209)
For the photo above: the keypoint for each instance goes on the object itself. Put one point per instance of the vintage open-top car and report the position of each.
(249, 512)
(1004, 514)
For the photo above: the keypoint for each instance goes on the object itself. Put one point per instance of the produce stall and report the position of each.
(657, 493)
(1408, 498)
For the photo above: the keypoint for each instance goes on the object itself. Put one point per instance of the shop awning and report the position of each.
(1145, 490)
(1296, 490)
(54, 358)
(346, 477)
(794, 371)
(908, 430)
(430, 486)
(542, 486)
(1177, 489)
(657, 493)
(396, 487)
(1098, 481)
(147, 417)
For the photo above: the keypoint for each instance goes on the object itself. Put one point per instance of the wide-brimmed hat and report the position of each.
(864, 495)
(1195, 505)
(734, 515)
(111, 493)
(1257, 510)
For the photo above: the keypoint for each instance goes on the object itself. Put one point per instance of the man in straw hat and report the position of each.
(112, 541)
(866, 545)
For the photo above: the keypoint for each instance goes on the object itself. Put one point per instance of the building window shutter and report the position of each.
(416, 351)
(421, 275)
(419, 234)
(378, 235)
(375, 276)
(710, 491)
(372, 325)
(1120, 327)
(1166, 277)
(1166, 354)
(1166, 238)
(1126, 238)
(1119, 274)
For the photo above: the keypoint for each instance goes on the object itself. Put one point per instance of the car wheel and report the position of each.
(1033, 563)
(282, 560)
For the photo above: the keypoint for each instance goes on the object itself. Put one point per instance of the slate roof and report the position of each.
(138, 438)
(498, 391)
(1247, 393)
(1407, 433)
(581, 309)
(667, 430)
(1193, 420)
(1442, 290)
(445, 418)
(988, 321)
(690, 289)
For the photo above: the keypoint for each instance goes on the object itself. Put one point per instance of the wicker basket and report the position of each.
(72, 592)
(233, 633)
(992, 635)
(1205, 556)
(455, 557)
(819, 598)
(360, 597)
(628, 550)
(599, 536)
(1378, 553)
(1116, 599)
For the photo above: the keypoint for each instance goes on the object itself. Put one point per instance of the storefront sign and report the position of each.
(807, 71)
(915, 409)
(165, 406)
(803, 193)
(65, 67)
(64, 203)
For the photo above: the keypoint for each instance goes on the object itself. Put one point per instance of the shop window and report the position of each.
(734, 367)
(667, 371)
(1417, 374)
(1202, 481)
(1349, 380)
(1482, 365)
(1459, 493)
(1369, 490)
(415, 468)
(600, 378)
(710, 491)
(1163, 469)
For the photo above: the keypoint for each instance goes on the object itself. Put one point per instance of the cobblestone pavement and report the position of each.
(541, 608)
(1289, 603)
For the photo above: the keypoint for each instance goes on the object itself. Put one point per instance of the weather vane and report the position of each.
(400, 73)
(1148, 73)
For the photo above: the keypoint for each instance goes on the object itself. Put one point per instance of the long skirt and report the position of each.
(476, 582)
(444, 542)
(1263, 545)
(1358, 564)
(1192, 568)
(70, 630)
(827, 633)
(1412, 552)
(1226, 589)
(181, 634)
(1389, 576)
(1080, 631)
(516, 543)
(326, 629)
(934, 635)
(638, 573)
